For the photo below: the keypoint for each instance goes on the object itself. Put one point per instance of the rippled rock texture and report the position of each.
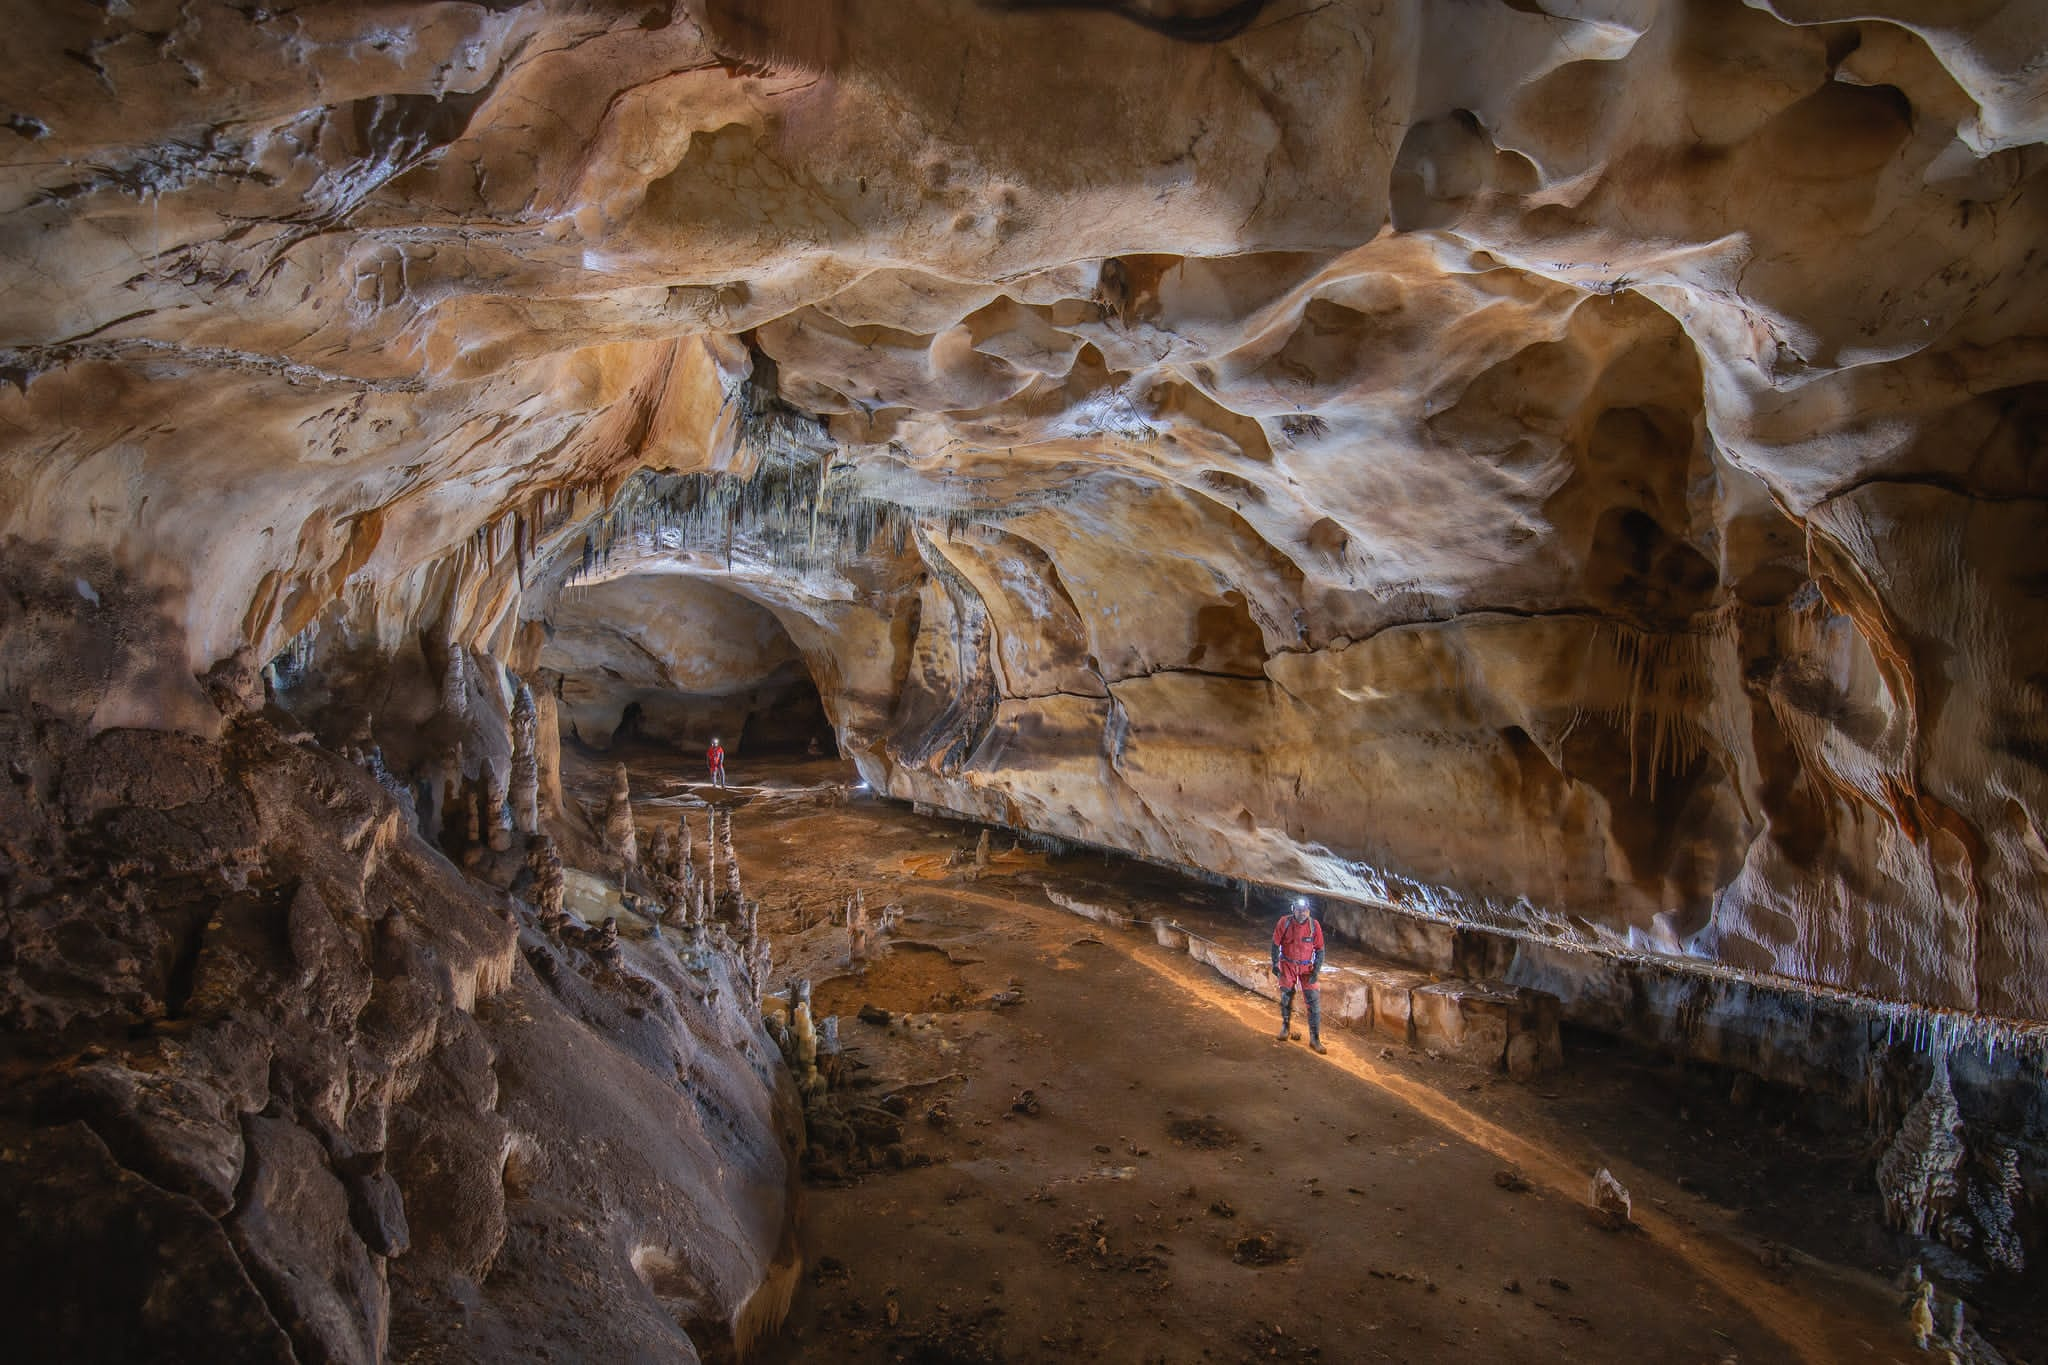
(1569, 467)
(286, 1084)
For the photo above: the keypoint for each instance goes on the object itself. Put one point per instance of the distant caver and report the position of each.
(1297, 961)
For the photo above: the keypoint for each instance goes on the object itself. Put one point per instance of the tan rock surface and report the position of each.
(1571, 469)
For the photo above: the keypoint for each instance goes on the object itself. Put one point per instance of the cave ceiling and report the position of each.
(1570, 468)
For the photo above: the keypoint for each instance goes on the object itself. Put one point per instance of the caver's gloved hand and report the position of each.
(1276, 959)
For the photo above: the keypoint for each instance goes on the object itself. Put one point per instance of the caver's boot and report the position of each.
(1286, 1022)
(1315, 1044)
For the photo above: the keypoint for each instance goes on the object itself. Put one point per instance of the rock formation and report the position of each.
(1919, 1173)
(264, 1087)
(1563, 470)
(685, 861)
(495, 810)
(721, 830)
(756, 951)
(548, 882)
(859, 936)
(525, 782)
(621, 838)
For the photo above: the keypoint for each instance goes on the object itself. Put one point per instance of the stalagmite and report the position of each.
(660, 857)
(497, 787)
(732, 862)
(981, 852)
(548, 882)
(711, 864)
(756, 953)
(525, 783)
(620, 839)
(1917, 1174)
(448, 807)
(455, 683)
(803, 1034)
(1995, 1202)
(761, 964)
(857, 940)
(1611, 1203)
(685, 867)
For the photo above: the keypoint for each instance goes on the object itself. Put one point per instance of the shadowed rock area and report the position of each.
(1557, 483)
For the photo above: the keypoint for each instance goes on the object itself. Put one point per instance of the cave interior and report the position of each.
(1546, 490)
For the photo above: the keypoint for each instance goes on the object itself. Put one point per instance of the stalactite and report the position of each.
(1666, 692)
(793, 510)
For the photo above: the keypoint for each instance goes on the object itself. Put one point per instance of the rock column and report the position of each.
(732, 862)
(525, 787)
(619, 836)
(548, 883)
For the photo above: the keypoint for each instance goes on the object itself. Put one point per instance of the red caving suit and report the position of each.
(1300, 948)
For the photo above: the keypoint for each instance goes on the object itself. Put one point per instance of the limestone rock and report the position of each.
(525, 777)
(163, 1269)
(1611, 1205)
(620, 836)
(294, 1231)
(233, 956)
(1918, 1173)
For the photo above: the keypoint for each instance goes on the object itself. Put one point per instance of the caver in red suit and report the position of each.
(1297, 961)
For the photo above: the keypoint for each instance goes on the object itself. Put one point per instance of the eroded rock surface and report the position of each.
(1568, 468)
(288, 1085)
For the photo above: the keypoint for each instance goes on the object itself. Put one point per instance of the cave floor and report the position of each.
(1188, 1188)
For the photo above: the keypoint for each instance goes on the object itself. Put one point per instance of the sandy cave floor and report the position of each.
(1190, 1189)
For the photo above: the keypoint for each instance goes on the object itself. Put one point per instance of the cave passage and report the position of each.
(673, 662)
(1047, 1118)
(1553, 488)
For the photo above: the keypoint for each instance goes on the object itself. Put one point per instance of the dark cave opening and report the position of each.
(666, 662)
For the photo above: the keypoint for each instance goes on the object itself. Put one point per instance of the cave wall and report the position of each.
(1571, 470)
(286, 1083)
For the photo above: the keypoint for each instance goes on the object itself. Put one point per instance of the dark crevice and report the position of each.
(1946, 483)
(1217, 27)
